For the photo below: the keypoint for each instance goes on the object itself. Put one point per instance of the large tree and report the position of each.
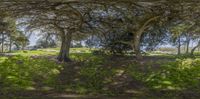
(66, 17)
(54, 16)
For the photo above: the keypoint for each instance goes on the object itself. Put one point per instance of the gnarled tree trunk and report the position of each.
(136, 44)
(137, 37)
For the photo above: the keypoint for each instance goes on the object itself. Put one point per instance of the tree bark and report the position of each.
(192, 51)
(2, 47)
(179, 46)
(136, 45)
(137, 37)
(65, 48)
(187, 44)
(10, 45)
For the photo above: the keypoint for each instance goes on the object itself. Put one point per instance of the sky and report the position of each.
(33, 39)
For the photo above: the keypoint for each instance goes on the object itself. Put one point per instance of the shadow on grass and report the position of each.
(121, 85)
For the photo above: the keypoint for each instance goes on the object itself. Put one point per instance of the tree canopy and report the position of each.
(70, 19)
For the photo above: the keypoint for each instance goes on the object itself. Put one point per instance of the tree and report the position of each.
(68, 17)
(57, 17)
(47, 40)
(21, 40)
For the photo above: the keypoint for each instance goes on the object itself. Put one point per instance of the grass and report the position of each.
(155, 76)
(50, 52)
(2, 59)
(35, 53)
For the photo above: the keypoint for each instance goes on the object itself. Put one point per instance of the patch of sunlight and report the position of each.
(157, 87)
(2, 59)
(68, 90)
(55, 71)
(134, 91)
(35, 52)
(11, 77)
(171, 88)
(81, 90)
(167, 82)
(30, 88)
(119, 72)
(115, 83)
(46, 88)
(69, 96)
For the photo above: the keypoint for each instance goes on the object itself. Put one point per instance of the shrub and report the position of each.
(98, 52)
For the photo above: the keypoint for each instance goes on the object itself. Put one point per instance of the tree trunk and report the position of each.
(192, 51)
(187, 45)
(10, 45)
(136, 45)
(179, 46)
(137, 37)
(65, 48)
(23, 46)
(2, 47)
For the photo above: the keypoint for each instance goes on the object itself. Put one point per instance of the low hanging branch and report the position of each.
(138, 34)
(192, 51)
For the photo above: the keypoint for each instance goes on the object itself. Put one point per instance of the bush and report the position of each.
(98, 52)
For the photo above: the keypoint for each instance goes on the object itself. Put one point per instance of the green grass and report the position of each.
(95, 72)
(176, 75)
(49, 51)
(35, 53)
(2, 59)
(22, 72)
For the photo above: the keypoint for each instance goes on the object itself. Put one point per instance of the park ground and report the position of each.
(38, 75)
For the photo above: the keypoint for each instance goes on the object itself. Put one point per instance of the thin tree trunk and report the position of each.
(192, 51)
(65, 48)
(2, 50)
(179, 46)
(23, 46)
(10, 45)
(187, 45)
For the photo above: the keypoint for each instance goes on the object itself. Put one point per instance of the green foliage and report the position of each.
(80, 50)
(24, 72)
(184, 56)
(98, 52)
(178, 75)
(94, 75)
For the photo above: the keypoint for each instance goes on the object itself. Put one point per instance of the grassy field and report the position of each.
(38, 75)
